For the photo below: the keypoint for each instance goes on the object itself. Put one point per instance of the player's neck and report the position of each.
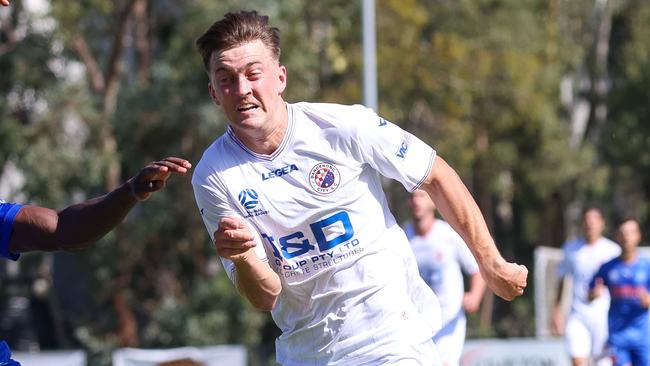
(629, 256)
(592, 240)
(267, 139)
(424, 225)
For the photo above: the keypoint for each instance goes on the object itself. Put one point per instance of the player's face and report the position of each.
(593, 224)
(421, 204)
(629, 235)
(247, 82)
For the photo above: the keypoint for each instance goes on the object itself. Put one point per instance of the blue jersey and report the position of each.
(629, 323)
(8, 212)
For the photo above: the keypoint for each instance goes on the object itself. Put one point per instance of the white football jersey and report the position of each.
(581, 262)
(442, 257)
(350, 285)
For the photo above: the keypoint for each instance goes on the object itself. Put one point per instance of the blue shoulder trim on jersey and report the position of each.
(8, 212)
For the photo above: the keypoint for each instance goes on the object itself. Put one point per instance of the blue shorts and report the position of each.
(8, 212)
(629, 356)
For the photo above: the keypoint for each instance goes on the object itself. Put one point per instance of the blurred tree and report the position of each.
(503, 89)
(625, 138)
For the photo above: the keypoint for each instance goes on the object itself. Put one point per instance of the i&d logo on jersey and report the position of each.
(324, 178)
(248, 198)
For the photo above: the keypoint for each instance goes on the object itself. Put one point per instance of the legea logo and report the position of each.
(248, 198)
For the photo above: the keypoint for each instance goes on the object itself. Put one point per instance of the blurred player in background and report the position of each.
(25, 228)
(334, 268)
(586, 326)
(628, 280)
(442, 257)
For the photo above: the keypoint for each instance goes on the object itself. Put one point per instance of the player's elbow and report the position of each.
(69, 240)
(266, 303)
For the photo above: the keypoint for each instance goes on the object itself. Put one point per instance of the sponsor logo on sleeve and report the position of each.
(324, 178)
(382, 122)
(404, 146)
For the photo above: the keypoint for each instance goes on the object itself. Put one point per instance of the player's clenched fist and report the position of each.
(507, 280)
(234, 239)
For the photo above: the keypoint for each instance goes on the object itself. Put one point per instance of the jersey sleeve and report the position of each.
(646, 268)
(564, 267)
(213, 205)
(392, 151)
(8, 212)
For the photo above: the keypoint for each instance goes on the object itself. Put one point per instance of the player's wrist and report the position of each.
(496, 264)
(135, 190)
(243, 259)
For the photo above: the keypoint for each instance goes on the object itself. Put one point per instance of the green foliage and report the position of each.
(478, 80)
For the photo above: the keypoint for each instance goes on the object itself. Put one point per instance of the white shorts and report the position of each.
(423, 354)
(585, 339)
(450, 340)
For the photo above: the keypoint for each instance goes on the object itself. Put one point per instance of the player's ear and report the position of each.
(282, 76)
(213, 94)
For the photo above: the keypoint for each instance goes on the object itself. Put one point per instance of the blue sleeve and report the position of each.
(647, 272)
(8, 212)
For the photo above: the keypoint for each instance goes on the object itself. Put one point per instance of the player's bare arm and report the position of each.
(457, 206)
(598, 290)
(557, 319)
(254, 278)
(76, 226)
(472, 298)
(4, 2)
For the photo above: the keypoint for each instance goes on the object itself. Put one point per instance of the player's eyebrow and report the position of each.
(222, 67)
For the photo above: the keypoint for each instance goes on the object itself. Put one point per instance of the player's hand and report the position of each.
(234, 239)
(557, 325)
(152, 177)
(471, 302)
(4, 2)
(507, 280)
(598, 289)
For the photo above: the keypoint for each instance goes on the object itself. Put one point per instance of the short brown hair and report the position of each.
(236, 29)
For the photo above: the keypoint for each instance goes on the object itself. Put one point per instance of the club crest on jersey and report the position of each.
(324, 178)
(248, 198)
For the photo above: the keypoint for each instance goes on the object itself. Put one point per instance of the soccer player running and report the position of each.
(333, 267)
(442, 257)
(25, 228)
(586, 326)
(628, 280)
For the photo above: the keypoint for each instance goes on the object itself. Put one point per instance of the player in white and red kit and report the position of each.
(333, 267)
(442, 257)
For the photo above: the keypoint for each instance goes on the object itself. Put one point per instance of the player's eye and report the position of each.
(255, 74)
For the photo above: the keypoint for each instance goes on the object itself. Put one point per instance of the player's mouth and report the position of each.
(246, 107)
